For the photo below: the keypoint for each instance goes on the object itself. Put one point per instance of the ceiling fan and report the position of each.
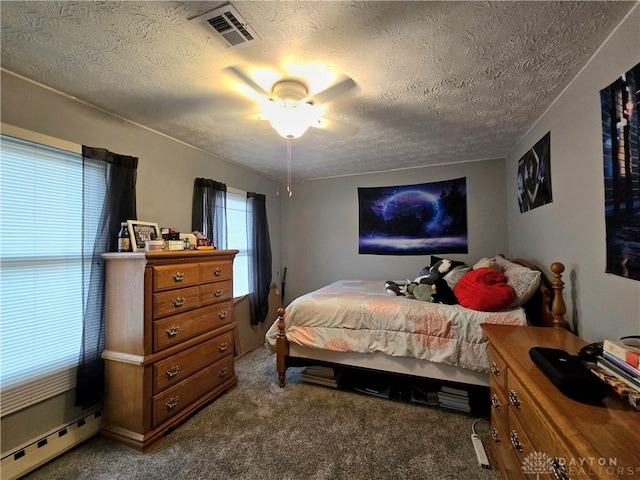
(291, 108)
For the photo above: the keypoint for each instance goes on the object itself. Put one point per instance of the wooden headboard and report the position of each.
(547, 307)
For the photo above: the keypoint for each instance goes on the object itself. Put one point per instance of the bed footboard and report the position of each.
(282, 349)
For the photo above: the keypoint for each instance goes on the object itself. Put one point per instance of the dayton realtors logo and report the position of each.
(539, 463)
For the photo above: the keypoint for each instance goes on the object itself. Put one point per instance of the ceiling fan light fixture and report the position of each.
(292, 119)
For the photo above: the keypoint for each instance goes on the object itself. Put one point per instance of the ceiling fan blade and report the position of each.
(333, 91)
(247, 80)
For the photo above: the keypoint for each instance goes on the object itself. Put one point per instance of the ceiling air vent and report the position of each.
(229, 27)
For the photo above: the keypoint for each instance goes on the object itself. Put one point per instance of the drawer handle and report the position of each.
(495, 401)
(172, 403)
(223, 347)
(173, 371)
(178, 277)
(559, 470)
(178, 301)
(173, 331)
(495, 369)
(222, 314)
(513, 398)
(218, 292)
(217, 271)
(495, 436)
(515, 441)
(223, 372)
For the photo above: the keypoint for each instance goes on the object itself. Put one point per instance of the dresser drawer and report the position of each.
(216, 292)
(497, 368)
(175, 301)
(544, 437)
(173, 370)
(172, 330)
(180, 396)
(502, 453)
(166, 277)
(498, 404)
(521, 444)
(214, 271)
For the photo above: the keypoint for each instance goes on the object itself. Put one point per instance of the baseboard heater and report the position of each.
(31, 455)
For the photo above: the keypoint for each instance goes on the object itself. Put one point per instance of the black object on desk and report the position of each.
(568, 374)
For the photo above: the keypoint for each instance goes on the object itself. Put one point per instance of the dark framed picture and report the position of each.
(534, 176)
(140, 232)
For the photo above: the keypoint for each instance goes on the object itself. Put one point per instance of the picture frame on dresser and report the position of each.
(140, 232)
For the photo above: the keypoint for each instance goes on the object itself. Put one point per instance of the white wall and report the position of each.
(572, 228)
(321, 225)
(166, 171)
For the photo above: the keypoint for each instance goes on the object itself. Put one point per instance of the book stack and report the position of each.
(619, 366)
(423, 396)
(320, 376)
(454, 398)
(377, 390)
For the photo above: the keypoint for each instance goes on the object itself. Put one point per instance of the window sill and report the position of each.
(237, 300)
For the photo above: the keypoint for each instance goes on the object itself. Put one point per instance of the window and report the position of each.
(237, 238)
(42, 268)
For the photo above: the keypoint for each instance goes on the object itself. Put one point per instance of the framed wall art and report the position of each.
(620, 102)
(140, 232)
(534, 176)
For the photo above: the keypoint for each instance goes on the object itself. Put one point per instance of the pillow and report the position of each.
(456, 274)
(484, 289)
(524, 281)
(487, 263)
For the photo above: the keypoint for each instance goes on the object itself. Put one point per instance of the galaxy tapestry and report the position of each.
(621, 141)
(414, 219)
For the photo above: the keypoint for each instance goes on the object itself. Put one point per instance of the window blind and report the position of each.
(237, 238)
(41, 268)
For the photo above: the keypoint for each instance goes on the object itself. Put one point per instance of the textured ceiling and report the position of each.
(438, 82)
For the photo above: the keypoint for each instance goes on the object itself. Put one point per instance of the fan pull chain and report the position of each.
(289, 166)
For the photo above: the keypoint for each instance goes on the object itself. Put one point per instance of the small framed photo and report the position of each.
(140, 232)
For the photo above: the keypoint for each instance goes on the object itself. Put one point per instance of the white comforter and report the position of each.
(359, 316)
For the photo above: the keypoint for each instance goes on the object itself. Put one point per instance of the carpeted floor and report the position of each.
(305, 432)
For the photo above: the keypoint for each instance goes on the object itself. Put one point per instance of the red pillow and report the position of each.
(484, 289)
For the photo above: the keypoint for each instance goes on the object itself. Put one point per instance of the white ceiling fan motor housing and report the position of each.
(289, 90)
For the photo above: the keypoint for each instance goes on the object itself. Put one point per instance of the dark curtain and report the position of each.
(209, 212)
(119, 204)
(259, 257)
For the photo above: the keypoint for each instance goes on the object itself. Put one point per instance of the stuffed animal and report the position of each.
(400, 289)
(429, 286)
(423, 292)
(429, 275)
(442, 293)
(393, 288)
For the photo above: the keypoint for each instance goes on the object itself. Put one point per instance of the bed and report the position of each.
(356, 323)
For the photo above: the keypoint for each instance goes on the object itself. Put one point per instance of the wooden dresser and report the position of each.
(168, 340)
(538, 431)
